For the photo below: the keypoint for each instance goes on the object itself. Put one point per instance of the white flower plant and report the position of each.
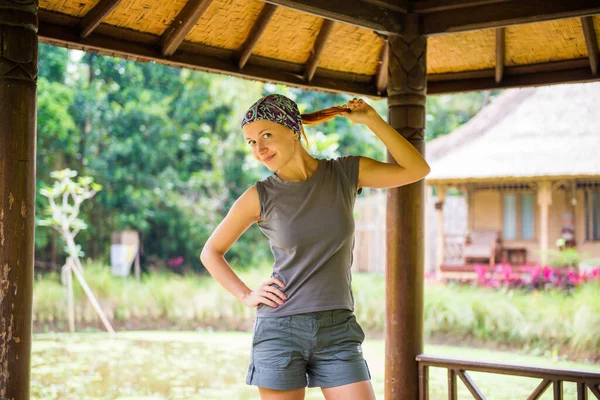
(65, 198)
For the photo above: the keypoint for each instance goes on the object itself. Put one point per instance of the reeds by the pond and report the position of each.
(543, 320)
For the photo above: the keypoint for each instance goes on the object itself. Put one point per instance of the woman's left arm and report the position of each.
(411, 166)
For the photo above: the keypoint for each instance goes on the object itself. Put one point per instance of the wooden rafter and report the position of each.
(257, 30)
(500, 52)
(497, 15)
(429, 6)
(402, 6)
(182, 25)
(570, 71)
(96, 15)
(351, 12)
(591, 42)
(381, 79)
(313, 61)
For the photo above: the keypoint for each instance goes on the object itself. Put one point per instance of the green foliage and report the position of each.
(566, 257)
(445, 113)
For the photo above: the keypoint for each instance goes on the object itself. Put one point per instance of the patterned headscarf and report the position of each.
(276, 108)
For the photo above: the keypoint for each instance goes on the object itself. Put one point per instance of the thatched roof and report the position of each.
(339, 45)
(525, 133)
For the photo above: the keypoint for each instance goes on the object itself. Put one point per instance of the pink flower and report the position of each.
(175, 262)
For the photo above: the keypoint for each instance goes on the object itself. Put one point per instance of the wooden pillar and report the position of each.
(405, 218)
(469, 197)
(18, 89)
(572, 207)
(544, 198)
(440, 246)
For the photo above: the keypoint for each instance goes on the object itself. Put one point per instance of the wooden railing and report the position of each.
(549, 376)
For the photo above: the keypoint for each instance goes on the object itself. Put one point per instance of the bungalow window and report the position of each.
(592, 215)
(518, 218)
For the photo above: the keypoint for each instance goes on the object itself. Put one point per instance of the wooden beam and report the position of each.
(549, 76)
(313, 61)
(381, 79)
(429, 6)
(257, 30)
(500, 52)
(62, 30)
(182, 25)
(402, 6)
(351, 12)
(96, 15)
(591, 42)
(506, 13)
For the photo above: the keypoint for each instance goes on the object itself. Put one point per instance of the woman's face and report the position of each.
(272, 144)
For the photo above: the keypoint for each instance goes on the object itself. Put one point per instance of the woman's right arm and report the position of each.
(243, 213)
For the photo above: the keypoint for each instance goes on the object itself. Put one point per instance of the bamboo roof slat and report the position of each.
(68, 7)
(145, 15)
(226, 23)
(281, 42)
(466, 51)
(365, 57)
(529, 44)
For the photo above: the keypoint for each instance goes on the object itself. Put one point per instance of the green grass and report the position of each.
(212, 366)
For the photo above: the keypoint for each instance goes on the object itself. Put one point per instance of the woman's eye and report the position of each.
(251, 143)
(267, 135)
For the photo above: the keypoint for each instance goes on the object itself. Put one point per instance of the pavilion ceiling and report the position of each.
(338, 45)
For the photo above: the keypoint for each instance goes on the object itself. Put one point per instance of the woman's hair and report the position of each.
(318, 117)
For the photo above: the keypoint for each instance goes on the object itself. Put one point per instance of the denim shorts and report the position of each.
(318, 349)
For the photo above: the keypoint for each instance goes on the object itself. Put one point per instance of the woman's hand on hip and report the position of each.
(266, 294)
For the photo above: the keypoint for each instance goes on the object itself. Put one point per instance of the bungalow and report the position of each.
(528, 165)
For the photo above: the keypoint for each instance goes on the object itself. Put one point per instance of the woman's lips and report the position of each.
(266, 160)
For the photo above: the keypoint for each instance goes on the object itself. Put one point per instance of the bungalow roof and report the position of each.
(524, 133)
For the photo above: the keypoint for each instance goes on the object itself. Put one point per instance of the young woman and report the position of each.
(305, 332)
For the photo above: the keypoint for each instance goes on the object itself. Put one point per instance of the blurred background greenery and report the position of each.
(166, 146)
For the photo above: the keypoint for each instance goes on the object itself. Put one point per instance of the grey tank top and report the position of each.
(310, 226)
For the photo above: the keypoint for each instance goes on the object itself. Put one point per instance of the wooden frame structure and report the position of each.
(398, 32)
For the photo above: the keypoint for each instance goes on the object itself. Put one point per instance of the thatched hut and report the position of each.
(528, 165)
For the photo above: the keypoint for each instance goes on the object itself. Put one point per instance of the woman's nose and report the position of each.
(260, 148)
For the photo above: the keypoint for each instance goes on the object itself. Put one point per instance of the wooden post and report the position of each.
(469, 197)
(544, 198)
(405, 217)
(440, 247)
(18, 89)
